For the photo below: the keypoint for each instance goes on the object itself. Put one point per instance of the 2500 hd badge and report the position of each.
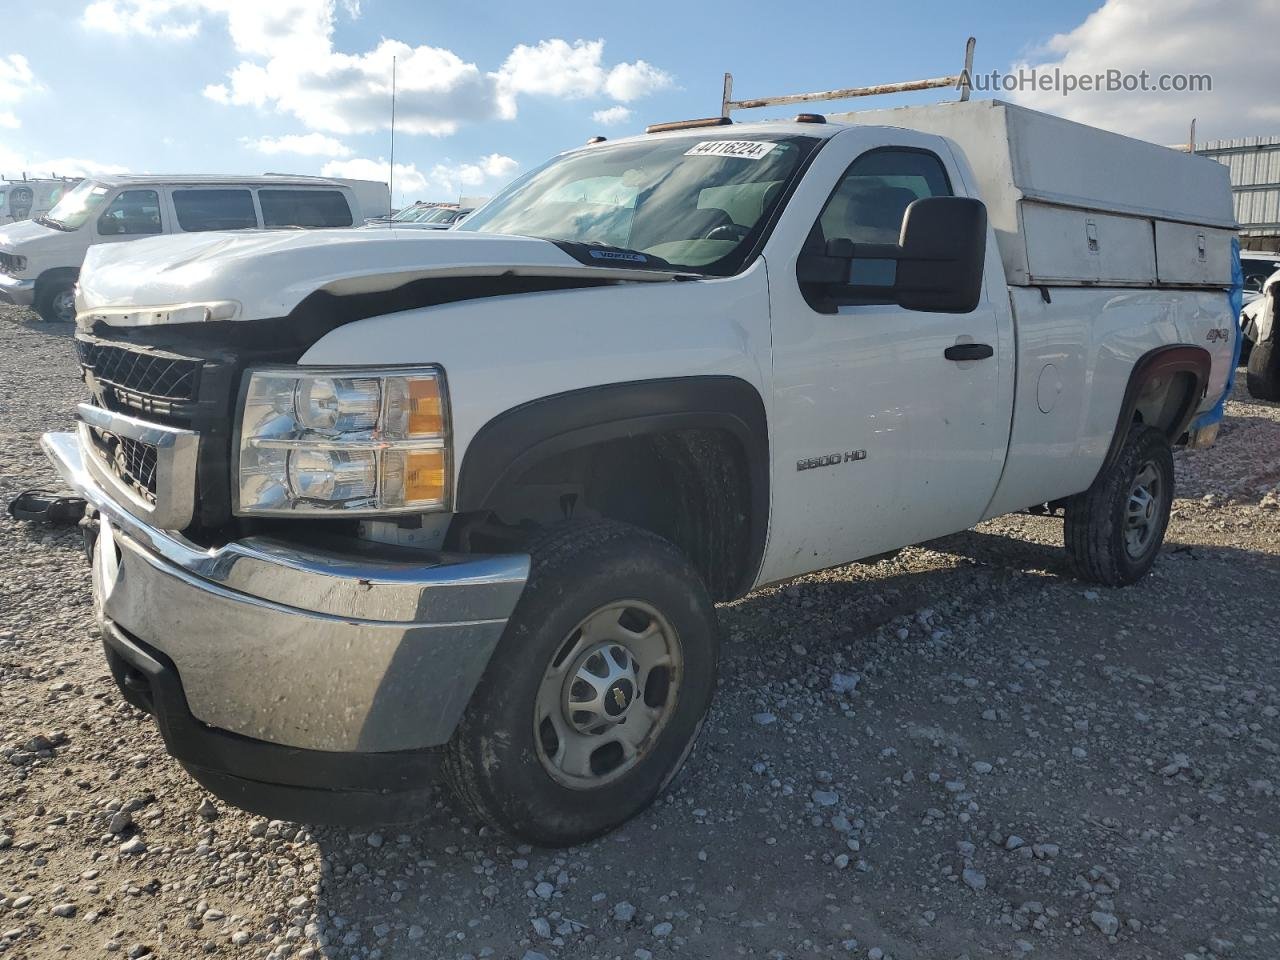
(831, 459)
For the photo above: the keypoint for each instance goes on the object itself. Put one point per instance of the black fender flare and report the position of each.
(1162, 361)
(512, 442)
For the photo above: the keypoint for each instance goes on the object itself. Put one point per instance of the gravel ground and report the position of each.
(961, 752)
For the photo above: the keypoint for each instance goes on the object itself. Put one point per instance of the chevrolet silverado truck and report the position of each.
(369, 511)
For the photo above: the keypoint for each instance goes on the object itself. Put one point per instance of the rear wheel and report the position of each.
(1264, 371)
(56, 302)
(596, 692)
(1115, 528)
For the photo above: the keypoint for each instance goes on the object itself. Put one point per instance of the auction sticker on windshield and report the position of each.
(742, 149)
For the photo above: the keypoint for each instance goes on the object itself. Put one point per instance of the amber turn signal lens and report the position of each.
(423, 476)
(426, 408)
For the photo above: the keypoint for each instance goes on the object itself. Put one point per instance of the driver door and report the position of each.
(879, 439)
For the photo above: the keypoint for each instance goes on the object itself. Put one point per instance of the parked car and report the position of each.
(425, 216)
(1258, 268)
(27, 198)
(40, 259)
(1259, 330)
(461, 505)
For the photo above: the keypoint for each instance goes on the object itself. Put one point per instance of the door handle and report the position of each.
(969, 351)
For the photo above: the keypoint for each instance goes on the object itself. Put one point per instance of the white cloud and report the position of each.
(440, 181)
(631, 81)
(611, 116)
(292, 66)
(1174, 37)
(307, 145)
(557, 68)
(17, 82)
(408, 178)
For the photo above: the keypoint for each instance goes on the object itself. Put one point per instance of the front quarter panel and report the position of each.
(501, 352)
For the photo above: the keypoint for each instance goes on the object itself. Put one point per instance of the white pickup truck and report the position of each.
(372, 510)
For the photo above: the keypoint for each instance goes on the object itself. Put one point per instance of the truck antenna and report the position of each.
(391, 184)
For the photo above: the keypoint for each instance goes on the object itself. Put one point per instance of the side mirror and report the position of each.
(935, 266)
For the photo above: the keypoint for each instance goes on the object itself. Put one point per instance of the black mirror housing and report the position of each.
(938, 260)
(943, 248)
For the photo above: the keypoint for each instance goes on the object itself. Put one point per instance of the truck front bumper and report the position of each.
(303, 683)
(20, 293)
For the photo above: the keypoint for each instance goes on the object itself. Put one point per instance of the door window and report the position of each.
(221, 209)
(867, 206)
(133, 213)
(868, 203)
(304, 208)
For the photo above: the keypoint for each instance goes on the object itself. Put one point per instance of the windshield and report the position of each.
(75, 209)
(408, 214)
(439, 215)
(699, 205)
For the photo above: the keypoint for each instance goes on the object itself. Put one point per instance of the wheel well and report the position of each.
(55, 275)
(1163, 390)
(691, 487)
(1162, 401)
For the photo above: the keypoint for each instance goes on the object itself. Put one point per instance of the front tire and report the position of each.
(56, 302)
(596, 692)
(1114, 529)
(1264, 371)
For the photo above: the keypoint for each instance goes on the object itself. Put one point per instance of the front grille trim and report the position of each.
(138, 377)
(134, 462)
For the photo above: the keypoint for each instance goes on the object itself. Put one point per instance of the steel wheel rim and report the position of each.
(607, 694)
(64, 305)
(1142, 510)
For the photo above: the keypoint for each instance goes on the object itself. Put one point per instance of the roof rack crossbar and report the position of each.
(961, 81)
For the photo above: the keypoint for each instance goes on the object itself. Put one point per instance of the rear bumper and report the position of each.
(268, 665)
(21, 293)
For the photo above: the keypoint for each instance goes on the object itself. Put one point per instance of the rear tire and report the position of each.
(56, 302)
(1264, 371)
(1114, 529)
(576, 725)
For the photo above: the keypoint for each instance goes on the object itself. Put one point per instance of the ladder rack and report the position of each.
(961, 81)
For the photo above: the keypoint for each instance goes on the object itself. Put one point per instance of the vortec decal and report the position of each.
(742, 149)
(619, 255)
(831, 459)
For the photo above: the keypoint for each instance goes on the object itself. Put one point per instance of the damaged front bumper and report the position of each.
(302, 683)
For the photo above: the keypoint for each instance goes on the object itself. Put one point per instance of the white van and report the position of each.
(40, 258)
(27, 198)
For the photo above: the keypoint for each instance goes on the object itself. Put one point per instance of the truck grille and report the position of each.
(150, 381)
(132, 461)
(186, 379)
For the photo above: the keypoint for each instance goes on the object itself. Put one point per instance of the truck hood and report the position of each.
(253, 275)
(28, 238)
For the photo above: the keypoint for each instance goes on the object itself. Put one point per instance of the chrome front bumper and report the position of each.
(300, 647)
(21, 293)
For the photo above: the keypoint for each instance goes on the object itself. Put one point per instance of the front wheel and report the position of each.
(1115, 528)
(596, 692)
(57, 302)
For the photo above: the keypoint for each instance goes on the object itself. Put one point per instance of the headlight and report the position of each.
(332, 441)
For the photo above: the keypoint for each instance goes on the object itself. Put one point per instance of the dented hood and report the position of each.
(254, 275)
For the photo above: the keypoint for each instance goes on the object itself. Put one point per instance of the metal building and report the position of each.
(1254, 163)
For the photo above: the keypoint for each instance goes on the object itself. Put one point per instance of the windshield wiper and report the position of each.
(56, 224)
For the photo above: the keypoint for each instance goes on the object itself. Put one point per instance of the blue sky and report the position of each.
(491, 89)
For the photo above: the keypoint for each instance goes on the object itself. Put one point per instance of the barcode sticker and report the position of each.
(742, 149)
